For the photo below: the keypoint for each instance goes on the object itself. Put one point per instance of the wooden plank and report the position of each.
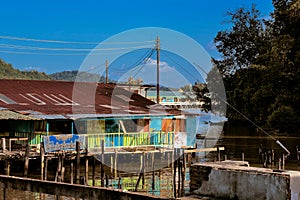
(204, 150)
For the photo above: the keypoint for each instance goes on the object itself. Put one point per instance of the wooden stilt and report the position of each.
(77, 179)
(153, 170)
(4, 193)
(46, 169)
(42, 155)
(86, 170)
(179, 177)
(243, 156)
(143, 171)
(174, 174)
(116, 163)
(219, 154)
(62, 168)
(3, 144)
(102, 163)
(106, 181)
(58, 170)
(26, 160)
(183, 170)
(119, 181)
(94, 170)
(283, 162)
(7, 167)
(111, 164)
(72, 172)
(279, 164)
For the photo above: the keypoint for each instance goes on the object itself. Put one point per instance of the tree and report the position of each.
(260, 65)
(240, 45)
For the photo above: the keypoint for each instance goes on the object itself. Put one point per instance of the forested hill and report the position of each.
(8, 72)
(82, 76)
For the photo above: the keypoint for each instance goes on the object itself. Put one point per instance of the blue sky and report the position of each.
(95, 21)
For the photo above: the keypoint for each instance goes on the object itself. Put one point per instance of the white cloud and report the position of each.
(29, 68)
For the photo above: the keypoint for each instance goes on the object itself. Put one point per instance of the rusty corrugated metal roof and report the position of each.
(8, 114)
(44, 99)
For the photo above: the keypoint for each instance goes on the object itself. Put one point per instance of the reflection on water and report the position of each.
(238, 138)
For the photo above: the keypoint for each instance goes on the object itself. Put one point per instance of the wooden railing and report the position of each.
(162, 139)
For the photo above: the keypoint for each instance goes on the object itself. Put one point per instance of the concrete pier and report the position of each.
(236, 180)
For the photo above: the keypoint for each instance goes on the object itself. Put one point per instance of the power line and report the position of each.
(69, 49)
(72, 42)
(58, 54)
(145, 61)
(179, 65)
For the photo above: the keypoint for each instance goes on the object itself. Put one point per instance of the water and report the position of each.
(237, 138)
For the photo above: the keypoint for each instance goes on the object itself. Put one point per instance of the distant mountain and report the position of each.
(78, 76)
(8, 72)
(65, 75)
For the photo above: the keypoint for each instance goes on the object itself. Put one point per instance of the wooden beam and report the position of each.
(204, 150)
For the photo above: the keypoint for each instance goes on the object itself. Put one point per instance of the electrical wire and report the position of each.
(145, 61)
(59, 54)
(179, 65)
(70, 49)
(72, 42)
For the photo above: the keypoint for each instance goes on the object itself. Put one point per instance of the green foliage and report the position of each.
(284, 119)
(260, 65)
(8, 72)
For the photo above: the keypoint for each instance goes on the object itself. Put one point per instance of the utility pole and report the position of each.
(106, 70)
(157, 63)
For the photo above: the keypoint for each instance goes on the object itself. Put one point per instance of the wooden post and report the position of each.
(219, 154)
(174, 175)
(106, 181)
(111, 164)
(279, 164)
(42, 154)
(46, 169)
(153, 170)
(58, 170)
(102, 163)
(116, 163)
(7, 167)
(62, 168)
(183, 168)
(3, 144)
(72, 172)
(77, 180)
(26, 160)
(119, 182)
(94, 169)
(243, 156)
(179, 176)
(273, 157)
(283, 162)
(143, 171)
(86, 170)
